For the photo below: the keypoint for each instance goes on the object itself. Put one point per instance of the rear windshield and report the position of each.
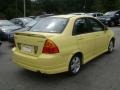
(50, 25)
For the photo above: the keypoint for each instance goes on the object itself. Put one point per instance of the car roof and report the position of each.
(82, 13)
(95, 13)
(71, 16)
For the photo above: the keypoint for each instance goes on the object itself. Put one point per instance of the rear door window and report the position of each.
(81, 27)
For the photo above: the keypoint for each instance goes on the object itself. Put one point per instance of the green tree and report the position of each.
(14, 8)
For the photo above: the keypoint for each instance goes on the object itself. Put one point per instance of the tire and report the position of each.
(111, 46)
(75, 65)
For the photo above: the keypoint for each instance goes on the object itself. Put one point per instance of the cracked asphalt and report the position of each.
(102, 73)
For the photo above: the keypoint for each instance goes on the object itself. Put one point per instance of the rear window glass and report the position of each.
(50, 25)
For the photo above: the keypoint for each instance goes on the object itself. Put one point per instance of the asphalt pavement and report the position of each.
(102, 73)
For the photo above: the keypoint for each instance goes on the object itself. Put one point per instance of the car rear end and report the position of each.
(39, 51)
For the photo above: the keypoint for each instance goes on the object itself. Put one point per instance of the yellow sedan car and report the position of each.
(62, 43)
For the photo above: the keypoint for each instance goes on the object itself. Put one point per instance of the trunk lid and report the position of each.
(31, 43)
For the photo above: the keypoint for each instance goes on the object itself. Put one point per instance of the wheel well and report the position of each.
(79, 54)
(113, 39)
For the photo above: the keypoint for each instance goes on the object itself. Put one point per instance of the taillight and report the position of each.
(50, 47)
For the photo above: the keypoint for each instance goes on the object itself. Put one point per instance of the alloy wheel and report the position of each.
(75, 65)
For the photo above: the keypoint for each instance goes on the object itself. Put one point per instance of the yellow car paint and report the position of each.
(90, 45)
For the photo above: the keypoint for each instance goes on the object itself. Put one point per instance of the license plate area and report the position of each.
(27, 48)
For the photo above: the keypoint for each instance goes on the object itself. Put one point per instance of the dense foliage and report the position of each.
(14, 8)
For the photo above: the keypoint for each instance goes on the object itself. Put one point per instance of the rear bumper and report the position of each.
(48, 64)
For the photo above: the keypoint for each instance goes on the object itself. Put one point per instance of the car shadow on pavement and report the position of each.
(39, 77)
